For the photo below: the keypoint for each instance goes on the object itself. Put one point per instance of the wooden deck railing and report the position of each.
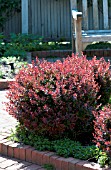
(80, 32)
(83, 6)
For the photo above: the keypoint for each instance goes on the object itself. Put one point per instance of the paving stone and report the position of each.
(7, 163)
(2, 159)
(32, 167)
(17, 166)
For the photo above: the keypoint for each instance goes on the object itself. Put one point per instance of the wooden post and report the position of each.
(85, 14)
(105, 14)
(78, 34)
(73, 4)
(24, 6)
(95, 15)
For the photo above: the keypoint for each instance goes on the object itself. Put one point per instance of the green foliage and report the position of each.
(8, 9)
(26, 42)
(1, 74)
(103, 159)
(2, 44)
(19, 44)
(99, 45)
(63, 147)
(48, 167)
(31, 42)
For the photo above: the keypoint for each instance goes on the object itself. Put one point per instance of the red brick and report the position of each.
(13, 150)
(10, 151)
(53, 160)
(46, 157)
(37, 157)
(72, 164)
(29, 154)
(34, 156)
(65, 163)
(58, 163)
(4, 148)
(16, 153)
(79, 165)
(23, 152)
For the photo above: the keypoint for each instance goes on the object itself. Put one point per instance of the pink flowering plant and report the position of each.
(58, 99)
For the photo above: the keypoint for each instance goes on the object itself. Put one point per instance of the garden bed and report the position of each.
(28, 153)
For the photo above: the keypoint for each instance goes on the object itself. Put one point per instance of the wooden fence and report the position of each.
(96, 14)
(47, 18)
(52, 18)
(13, 25)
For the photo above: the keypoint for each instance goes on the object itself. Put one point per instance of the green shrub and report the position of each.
(19, 44)
(62, 147)
(98, 45)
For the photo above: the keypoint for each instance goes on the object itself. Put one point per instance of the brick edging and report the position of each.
(57, 53)
(97, 52)
(4, 83)
(30, 154)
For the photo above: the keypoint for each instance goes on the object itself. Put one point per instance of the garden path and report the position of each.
(8, 123)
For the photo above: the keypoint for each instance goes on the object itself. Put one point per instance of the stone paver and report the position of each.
(7, 123)
(7, 163)
(6, 120)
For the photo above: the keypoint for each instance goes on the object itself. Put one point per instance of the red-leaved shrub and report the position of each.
(57, 99)
(102, 76)
(102, 126)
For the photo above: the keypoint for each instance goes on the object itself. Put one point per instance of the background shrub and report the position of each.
(19, 44)
(99, 45)
(57, 99)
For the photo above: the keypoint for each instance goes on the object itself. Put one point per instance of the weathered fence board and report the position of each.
(52, 18)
